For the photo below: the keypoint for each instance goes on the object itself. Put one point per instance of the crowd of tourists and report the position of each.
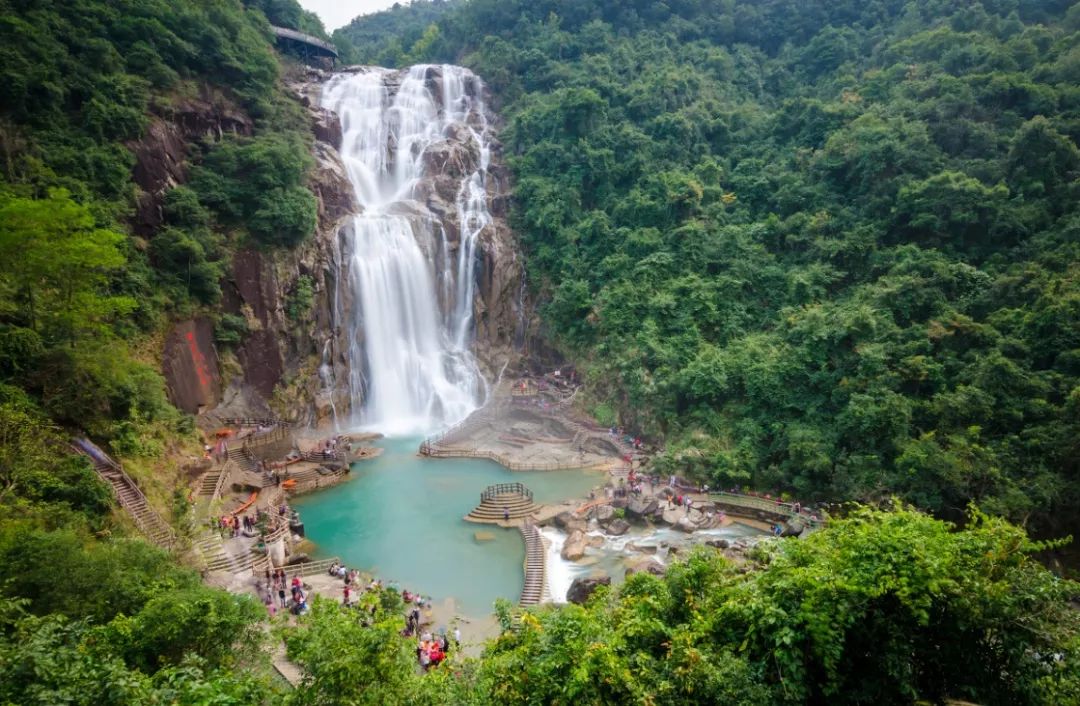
(431, 648)
(289, 595)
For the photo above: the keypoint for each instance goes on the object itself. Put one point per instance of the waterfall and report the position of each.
(410, 327)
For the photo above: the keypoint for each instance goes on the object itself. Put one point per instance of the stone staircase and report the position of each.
(210, 545)
(209, 484)
(240, 456)
(533, 591)
(149, 522)
(498, 501)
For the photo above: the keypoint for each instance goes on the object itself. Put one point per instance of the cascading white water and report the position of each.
(411, 326)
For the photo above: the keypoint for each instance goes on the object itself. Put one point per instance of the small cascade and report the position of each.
(326, 379)
(560, 573)
(410, 325)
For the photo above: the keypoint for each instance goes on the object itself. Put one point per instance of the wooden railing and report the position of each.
(509, 463)
(310, 567)
(260, 565)
(478, 417)
(100, 458)
(278, 532)
(223, 479)
(317, 456)
(504, 489)
(254, 422)
(768, 505)
(262, 439)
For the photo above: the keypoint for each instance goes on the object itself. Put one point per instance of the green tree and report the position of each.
(56, 266)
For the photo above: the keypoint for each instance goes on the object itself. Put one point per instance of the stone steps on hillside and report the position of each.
(243, 460)
(209, 482)
(131, 499)
(212, 548)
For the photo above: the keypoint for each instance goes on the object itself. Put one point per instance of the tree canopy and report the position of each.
(823, 247)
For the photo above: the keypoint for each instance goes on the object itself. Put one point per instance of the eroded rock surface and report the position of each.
(583, 587)
(574, 546)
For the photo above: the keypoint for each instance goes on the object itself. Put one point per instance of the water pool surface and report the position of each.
(400, 517)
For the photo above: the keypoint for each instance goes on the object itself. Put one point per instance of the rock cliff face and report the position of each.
(295, 365)
(161, 154)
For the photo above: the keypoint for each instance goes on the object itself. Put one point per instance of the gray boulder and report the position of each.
(684, 524)
(604, 513)
(583, 587)
(640, 509)
(618, 527)
(646, 565)
(569, 521)
(574, 546)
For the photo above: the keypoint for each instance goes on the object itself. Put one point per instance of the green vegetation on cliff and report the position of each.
(90, 616)
(828, 247)
(81, 83)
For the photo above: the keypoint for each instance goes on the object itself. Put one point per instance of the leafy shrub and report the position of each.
(257, 183)
(300, 299)
(230, 329)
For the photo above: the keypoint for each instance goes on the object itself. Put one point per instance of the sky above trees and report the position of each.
(338, 13)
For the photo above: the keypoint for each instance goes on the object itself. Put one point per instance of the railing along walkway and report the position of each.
(532, 592)
(459, 452)
(758, 503)
(505, 489)
(254, 422)
(128, 494)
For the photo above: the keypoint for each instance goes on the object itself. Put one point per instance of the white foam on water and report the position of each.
(411, 369)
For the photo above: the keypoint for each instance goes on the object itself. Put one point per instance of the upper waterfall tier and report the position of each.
(407, 263)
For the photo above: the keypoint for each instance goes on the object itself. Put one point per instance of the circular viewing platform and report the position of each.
(503, 503)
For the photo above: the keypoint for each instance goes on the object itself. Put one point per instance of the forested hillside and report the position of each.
(87, 287)
(825, 247)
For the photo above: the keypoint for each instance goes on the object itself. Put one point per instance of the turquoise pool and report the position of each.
(400, 517)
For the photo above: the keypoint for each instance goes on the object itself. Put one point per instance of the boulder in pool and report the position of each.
(618, 527)
(574, 546)
(646, 565)
(639, 509)
(569, 521)
(685, 524)
(604, 514)
(583, 587)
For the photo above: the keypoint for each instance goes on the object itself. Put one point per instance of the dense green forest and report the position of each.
(91, 616)
(824, 247)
